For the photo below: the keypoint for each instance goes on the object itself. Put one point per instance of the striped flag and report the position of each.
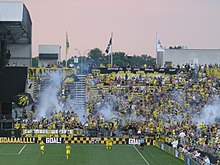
(109, 45)
(23, 99)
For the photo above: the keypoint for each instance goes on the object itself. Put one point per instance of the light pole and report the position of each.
(81, 58)
(78, 51)
(85, 52)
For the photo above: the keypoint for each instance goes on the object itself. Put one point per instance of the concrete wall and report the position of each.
(20, 54)
(44, 63)
(48, 50)
(183, 56)
(159, 58)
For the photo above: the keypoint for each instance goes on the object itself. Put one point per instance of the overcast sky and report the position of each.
(134, 23)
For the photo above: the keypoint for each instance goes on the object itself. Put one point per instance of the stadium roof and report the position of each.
(15, 22)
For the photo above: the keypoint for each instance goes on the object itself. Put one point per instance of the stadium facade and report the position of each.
(15, 50)
(16, 32)
(190, 56)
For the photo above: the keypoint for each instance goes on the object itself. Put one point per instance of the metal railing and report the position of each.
(180, 155)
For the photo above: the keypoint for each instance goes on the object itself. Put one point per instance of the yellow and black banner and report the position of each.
(73, 140)
(33, 73)
(23, 99)
(15, 140)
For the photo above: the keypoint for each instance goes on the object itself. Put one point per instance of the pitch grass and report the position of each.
(84, 154)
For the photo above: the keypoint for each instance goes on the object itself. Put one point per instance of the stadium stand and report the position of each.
(124, 104)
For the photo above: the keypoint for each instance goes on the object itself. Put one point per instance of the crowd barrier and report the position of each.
(73, 140)
(134, 70)
(179, 155)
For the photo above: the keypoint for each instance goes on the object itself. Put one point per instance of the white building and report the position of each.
(49, 55)
(190, 56)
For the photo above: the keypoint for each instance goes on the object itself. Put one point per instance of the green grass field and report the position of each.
(84, 154)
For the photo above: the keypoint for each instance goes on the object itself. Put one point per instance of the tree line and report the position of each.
(97, 58)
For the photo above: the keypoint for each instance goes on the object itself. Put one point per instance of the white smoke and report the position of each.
(106, 111)
(49, 99)
(79, 110)
(210, 113)
(48, 102)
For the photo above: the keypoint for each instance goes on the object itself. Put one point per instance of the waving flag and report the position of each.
(23, 99)
(159, 45)
(67, 43)
(109, 45)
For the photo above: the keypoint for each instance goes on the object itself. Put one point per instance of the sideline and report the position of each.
(141, 155)
(22, 149)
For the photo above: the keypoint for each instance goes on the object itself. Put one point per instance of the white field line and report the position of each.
(141, 155)
(22, 149)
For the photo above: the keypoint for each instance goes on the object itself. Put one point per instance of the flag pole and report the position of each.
(67, 47)
(157, 51)
(156, 42)
(66, 50)
(66, 58)
(111, 54)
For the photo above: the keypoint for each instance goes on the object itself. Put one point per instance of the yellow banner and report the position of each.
(36, 72)
(16, 140)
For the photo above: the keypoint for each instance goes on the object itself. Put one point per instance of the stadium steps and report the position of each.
(79, 91)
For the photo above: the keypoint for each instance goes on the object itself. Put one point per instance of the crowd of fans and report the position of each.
(166, 106)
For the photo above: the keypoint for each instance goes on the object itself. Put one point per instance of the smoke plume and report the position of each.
(48, 101)
(210, 113)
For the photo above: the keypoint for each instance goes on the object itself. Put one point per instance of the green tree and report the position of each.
(96, 56)
(148, 60)
(139, 61)
(119, 58)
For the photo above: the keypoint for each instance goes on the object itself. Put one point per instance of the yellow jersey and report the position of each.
(68, 148)
(109, 141)
(41, 144)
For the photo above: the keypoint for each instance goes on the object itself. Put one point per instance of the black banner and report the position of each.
(134, 70)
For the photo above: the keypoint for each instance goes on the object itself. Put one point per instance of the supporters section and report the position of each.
(125, 105)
